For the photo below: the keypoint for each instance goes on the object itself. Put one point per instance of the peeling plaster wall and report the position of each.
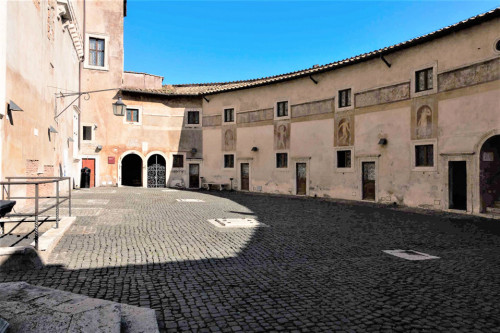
(40, 61)
(464, 108)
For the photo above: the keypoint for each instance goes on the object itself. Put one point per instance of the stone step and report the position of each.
(496, 204)
(29, 308)
(493, 210)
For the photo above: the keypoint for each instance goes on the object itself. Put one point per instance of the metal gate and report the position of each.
(156, 171)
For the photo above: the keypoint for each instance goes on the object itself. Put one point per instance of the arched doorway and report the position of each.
(156, 171)
(489, 174)
(132, 170)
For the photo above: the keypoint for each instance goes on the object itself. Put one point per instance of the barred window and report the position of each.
(344, 98)
(282, 160)
(424, 156)
(343, 159)
(282, 109)
(193, 117)
(423, 80)
(228, 115)
(178, 161)
(229, 161)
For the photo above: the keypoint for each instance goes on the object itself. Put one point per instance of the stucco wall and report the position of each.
(465, 104)
(41, 60)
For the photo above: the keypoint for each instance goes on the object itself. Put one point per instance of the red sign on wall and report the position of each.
(111, 160)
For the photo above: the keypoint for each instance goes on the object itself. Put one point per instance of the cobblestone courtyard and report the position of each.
(319, 266)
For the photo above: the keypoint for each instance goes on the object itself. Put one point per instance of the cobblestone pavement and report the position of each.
(319, 266)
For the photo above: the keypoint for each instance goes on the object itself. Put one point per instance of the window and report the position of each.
(96, 52)
(282, 109)
(228, 115)
(193, 117)
(87, 133)
(133, 115)
(344, 98)
(229, 161)
(423, 80)
(424, 155)
(178, 161)
(282, 160)
(343, 159)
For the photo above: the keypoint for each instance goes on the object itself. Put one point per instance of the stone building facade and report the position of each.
(416, 123)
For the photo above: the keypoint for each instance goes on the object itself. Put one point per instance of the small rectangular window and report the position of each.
(87, 133)
(133, 115)
(228, 115)
(193, 117)
(229, 161)
(424, 156)
(282, 109)
(96, 52)
(178, 161)
(282, 160)
(423, 80)
(343, 159)
(344, 98)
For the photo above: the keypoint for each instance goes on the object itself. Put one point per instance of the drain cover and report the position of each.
(170, 190)
(410, 254)
(190, 200)
(236, 223)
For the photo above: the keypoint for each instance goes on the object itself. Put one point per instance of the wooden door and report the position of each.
(301, 178)
(90, 163)
(194, 176)
(368, 180)
(245, 176)
(457, 182)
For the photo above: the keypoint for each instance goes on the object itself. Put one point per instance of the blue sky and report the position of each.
(212, 41)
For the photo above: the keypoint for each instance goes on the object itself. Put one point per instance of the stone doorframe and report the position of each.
(476, 208)
(238, 173)
(359, 164)
(469, 160)
(294, 161)
(144, 167)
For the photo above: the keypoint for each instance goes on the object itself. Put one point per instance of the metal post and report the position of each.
(69, 194)
(57, 204)
(3, 190)
(36, 216)
(8, 191)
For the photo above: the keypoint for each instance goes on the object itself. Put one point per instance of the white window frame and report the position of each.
(413, 90)
(224, 122)
(415, 143)
(86, 63)
(186, 113)
(224, 160)
(276, 159)
(136, 123)
(336, 100)
(92, 131)
(335, 165)
(289, 104)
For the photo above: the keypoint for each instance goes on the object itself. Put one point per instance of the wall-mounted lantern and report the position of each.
(194, 151)
(255, 149)
(98, 148)
(14, 107)
(382, 141)
(119, 107)
(52, 130)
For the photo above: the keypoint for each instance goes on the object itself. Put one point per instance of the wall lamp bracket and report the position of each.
(385, 60)
(78, 95)
(255, 149)
(206, 99)
(382, 141)
(13, 106)
(313, 80)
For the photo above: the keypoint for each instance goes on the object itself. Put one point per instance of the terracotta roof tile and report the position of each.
(217, 87)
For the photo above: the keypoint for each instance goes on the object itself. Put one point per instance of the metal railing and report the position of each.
(36, 182)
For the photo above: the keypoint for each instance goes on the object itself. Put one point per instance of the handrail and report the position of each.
(35, 181)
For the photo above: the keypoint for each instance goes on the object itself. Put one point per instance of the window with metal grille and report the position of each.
(228, 115)
(343, 159)
(282, 160)
(423, 80)
(96, 52)
(178, 161)
(282, 109)
(229, 161)
(424, 155)
(344, 98)
(193, 117)
(133, 115)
